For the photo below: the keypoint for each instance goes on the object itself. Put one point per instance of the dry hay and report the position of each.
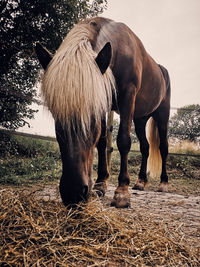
(45, 233)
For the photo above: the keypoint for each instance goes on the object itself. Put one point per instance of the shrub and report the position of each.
(26, 147)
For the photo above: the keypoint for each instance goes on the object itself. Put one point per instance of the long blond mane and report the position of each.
(74, 89)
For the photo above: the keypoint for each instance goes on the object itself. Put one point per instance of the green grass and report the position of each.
(20, 171)
(31, 161)
(26, 160)
(183, 172)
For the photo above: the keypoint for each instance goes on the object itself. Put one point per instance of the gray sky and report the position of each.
(170, 32)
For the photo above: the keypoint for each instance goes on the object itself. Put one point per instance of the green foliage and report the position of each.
(185, 124)
(20, 171)
(31, 161)
(134, 138)
(22, 23)
(26, 147)
(25, 160)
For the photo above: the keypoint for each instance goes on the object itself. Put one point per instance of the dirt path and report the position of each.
(176, 211)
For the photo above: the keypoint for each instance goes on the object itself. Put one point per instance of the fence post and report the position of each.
(109, 137)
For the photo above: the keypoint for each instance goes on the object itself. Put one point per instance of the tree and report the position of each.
(185, 124)
(22, 23)
(134, 138)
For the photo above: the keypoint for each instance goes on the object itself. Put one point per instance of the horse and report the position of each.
(101, 65)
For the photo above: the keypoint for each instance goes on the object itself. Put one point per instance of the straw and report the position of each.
(34, 232)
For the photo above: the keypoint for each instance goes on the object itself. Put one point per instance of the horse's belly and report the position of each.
(144, 108)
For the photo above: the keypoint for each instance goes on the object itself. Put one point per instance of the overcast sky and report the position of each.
(170, 32)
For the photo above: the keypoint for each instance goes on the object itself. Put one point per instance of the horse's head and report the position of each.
(76, 150)
(77, 161)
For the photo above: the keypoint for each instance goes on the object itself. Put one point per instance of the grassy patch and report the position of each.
(20, 171)
(183, 172)
(185, 147)
(28, 160)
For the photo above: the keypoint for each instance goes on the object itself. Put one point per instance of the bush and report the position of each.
(20, 171)
(26, 147)
(27, 160)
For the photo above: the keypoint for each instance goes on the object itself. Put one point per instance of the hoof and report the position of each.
(121, 198)
(100, 188)
(163, 187)
(139, 185)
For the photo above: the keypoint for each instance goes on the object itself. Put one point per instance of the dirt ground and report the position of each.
(174, 210)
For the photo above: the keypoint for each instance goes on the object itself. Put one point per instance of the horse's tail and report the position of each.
(154, 163)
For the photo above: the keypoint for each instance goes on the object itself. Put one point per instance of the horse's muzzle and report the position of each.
(74, 196)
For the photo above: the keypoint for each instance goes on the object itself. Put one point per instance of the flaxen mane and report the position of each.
(73, 87)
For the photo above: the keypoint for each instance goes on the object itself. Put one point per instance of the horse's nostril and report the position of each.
(85, 191)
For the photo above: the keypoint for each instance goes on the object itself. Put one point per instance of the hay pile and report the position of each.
(44, 233)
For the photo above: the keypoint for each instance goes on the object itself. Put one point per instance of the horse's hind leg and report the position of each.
(140, 125)
(162, 129)
(162, 123)
(103, 174)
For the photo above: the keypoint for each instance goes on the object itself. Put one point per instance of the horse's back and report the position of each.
(131, 64)
(166, 76)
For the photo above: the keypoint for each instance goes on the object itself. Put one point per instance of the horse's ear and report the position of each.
(104, 57)
(43, 55)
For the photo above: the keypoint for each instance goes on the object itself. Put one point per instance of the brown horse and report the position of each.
(102, 65)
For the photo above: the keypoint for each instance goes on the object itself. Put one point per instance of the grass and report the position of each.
(39, 232)
(31, 161)
(28, 160)
(183, 172)
(20, 171)
(185, 147)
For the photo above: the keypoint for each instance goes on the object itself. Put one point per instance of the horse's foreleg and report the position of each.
(140, 125)
(122, 195)
(103, 173)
